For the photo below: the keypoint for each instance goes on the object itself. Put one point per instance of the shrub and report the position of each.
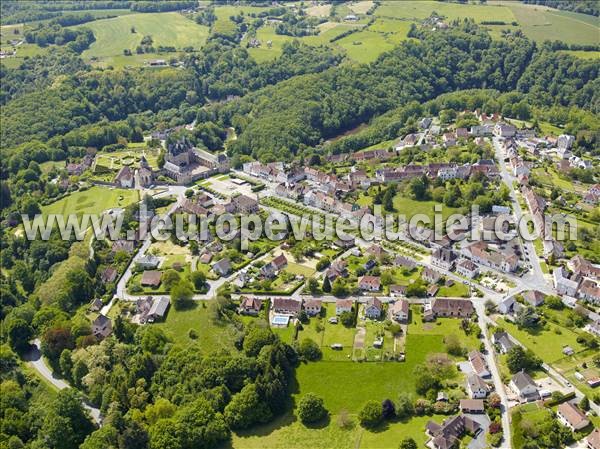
(311, 408)
(371, 414)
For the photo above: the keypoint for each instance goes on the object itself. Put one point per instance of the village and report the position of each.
(360, 299)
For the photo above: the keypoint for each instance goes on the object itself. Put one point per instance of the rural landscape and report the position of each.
(260, 224)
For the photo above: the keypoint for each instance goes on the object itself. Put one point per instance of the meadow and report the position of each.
(419, 10)
(95, 200)
(166, 29)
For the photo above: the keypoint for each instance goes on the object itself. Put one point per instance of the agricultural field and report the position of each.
(166, 29)
(92, 201)
(419, 10)
(540, 24)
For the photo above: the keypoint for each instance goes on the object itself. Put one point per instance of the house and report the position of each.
(565, 141)
(467, 268)
(369, 283)
(593, 440)
(287, 306)
(580, 265)
(589, 291)
(449, 140)
(108, 275)
(158, 309)
(151, 278)
(222, 267)
(400, 310)
(405, 262)
(481, 252)
(430, 275)
(272, 268)
(245, 205)
(398, 290)
(523, 385)
(337, 269)
(443, 258)
(503, 341)
(472, 406)
(572, 417)
(504, 130)
(312, 307)
(147, 262)
(101, 326)
(432, 290)
(373, 308)
(125, 177)
(507, 305)
(250, 305)
(593, 328)
(562, 284)
(343, 305)
(478, 364)
(477, 388)
(461, 133)
(123, 245)
(96, 305)
(534, 297)
(448, 434)
(446, 307)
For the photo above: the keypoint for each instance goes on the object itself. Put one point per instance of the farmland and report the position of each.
(166, 29)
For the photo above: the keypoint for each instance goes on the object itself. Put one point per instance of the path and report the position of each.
(35, 359)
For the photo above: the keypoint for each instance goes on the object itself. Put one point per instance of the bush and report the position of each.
(371, 414)
(311, 408)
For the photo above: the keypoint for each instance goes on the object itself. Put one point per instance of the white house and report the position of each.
(523, 385)
(400, 310)
(478, 389)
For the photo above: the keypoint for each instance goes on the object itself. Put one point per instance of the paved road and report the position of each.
(496, 377)
(536, 279)
(35, 359)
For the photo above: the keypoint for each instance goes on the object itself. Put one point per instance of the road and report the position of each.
(535, 279)
(35, 359)
(482, 319)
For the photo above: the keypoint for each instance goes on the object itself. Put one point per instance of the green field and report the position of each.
(419, 10)
(546, 344)
(92, 201)
(211, 336)
(167, 29)
(582, 54)
(540, 24)
(288, 433)
(334, 380)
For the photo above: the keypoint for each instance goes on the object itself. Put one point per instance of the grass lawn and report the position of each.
(333, 380)
(529, 412)
(547, 344)
(410, 207)
(296, 268)
(92, 201)
(440, 327)
(287, 432)
(211, 336)
(365, 46)
(458, 289)
(166, 29)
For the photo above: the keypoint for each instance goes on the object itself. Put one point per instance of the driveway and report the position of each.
(479, 441)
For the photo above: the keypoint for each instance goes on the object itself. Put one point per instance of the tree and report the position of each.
(198, 279)
(408, 443)
(311, 409)
(66, 363)
(313, 286)
(181, 295)
(339, 288)
(66, 423)
(388, 409)
(19, 334)
(518, 359)
(527, 317)
(55, 340)
(584, 404)
(453, 346)
(371, 415)
(425, 382)
(255, 339)
(347, 319)
(170, 278)
(309, 350)
(246, 409)
(326, 285)
(404, 406)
